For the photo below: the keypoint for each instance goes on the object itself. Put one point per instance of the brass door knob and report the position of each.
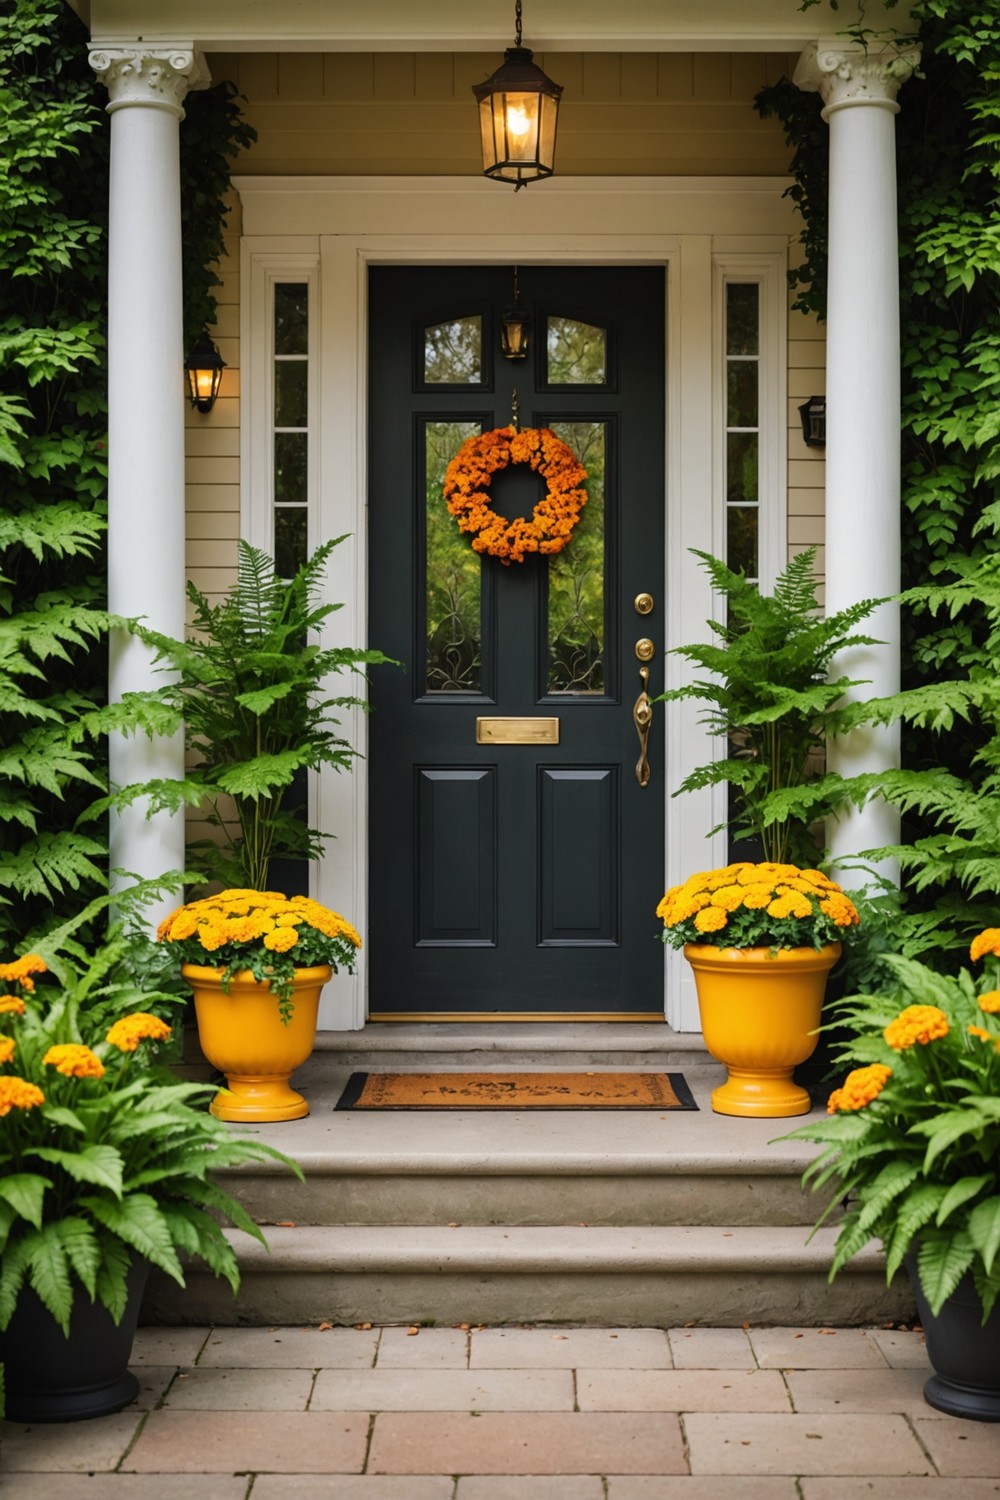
(643, 604)
(645, 649)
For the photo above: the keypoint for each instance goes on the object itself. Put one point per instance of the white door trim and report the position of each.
(349, 224)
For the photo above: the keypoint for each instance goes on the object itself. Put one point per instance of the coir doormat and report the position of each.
(516, 1091)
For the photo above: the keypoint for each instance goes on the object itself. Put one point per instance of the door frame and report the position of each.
(699, 230)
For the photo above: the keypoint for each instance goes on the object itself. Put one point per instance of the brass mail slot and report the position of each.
(517, 731)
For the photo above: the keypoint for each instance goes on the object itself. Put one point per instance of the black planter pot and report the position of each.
(52, 1378)
(964, 1351)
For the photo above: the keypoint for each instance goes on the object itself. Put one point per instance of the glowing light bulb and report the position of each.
(517, 121)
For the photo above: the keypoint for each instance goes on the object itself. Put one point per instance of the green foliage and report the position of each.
(768, 694)
(104, 1156)
(250, 687)
(913, 1142)
(948, 166)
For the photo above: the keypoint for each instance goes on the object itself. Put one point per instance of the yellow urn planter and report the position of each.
(241, 1034)
(760, 1010)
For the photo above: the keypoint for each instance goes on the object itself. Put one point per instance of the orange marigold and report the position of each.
(710, 919)
(11, 1005)
(129, 1031)
(840, 909)
(860, 1088)
(21, 970)
(74, 1061)
(980, 1032)
(7, 1045)
(466, 492)
(728, 897)
(17, 1093)
(990, 1003)
(281, 939)
(987, 941)
(916, 1025)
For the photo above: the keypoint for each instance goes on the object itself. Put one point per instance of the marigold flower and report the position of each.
(17, 1093)
(467, 480)
(129, 1031)
(710, 919)
(756, 897)
(74, 1061)
(990, 1003)
(840, 909)
(7, 1045)
(19, 971)
(860, 1088)
(980, 1032)
(987, 941)
(281, 939)
(792, 904)
(916, 1025)
(11, 1005)
(728, 897)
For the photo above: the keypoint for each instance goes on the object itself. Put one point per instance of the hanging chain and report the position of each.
(514, 408)
(517, 24)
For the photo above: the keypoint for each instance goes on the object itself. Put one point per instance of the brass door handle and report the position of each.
(642, 715)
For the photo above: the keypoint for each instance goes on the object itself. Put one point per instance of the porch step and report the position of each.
(587, 1217)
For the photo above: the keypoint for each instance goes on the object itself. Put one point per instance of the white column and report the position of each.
(146, 572)
(858, 87)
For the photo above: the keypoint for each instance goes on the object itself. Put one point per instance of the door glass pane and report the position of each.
(453, 574)
(576, 629)
(576, 352)
(453, 352)
(291, 317)
(743, 426)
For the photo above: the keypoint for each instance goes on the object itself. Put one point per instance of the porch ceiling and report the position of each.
(461, 26)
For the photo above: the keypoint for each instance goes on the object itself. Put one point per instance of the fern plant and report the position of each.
(769, 696)
(251, 689)
(104, 1156)
(912, 1140)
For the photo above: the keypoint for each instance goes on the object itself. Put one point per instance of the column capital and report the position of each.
(157, 77)
(847, 73)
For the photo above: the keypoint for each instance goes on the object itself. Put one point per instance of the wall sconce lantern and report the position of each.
(515, 327)
(204, 367)
(518, 108)
(813, 415)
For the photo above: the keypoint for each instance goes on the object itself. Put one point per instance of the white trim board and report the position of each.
(298, 231)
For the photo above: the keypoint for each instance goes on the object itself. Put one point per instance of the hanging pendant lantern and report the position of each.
(515, 325)
(518, 108)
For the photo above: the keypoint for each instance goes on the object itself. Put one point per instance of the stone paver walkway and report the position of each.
(515, 1414)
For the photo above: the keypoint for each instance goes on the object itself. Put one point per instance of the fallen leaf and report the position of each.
(362, 1327)
(828, 1330)
(325, 1327)
(285, 1224)
(411, 1333)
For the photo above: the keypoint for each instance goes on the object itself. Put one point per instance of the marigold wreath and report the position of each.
(550, 526)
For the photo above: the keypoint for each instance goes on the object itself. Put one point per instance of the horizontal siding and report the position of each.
(668, 114)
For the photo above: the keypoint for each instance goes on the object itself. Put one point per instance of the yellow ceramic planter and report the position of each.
(241, 1034)
(760, 1009)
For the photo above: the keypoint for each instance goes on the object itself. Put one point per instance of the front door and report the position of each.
(516, 857)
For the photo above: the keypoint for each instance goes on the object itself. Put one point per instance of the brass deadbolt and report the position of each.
(644, 649)
(643, 604)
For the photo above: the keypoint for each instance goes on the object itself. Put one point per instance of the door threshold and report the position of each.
(603, 1018)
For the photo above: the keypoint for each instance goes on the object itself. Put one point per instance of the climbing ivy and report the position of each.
(54, 142)
(948, 164)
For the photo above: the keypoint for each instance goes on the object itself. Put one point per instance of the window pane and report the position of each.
(742, 323)
(291, 318)
(290, 451)
(577, 353)
(290, 540)
(741, 539)
(291, 392)
(453, 352)
(576, 628)
(453, 574)
(741, 393)
(742, 462)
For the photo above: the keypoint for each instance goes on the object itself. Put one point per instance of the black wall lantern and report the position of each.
(515, 327)
(813, 415)
(518, 108)
(204, 367)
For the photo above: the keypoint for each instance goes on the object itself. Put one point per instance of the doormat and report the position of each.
(516, 1091)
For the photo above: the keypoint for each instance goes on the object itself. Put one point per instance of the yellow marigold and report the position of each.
(129, 1031)
(917, 1024)
(7, 1045)
(11, 1005)
(819, 880)
(840, 909)
(21, 970)
(183, 924)
(728, 897)
(710, 919)
(987, 941)
(990, 1003)
(792, 904)
(860, 1088)
(756, 897)
(163, 931)
(74, 1061)
(980, 1032)
(281, 939)
(17, 1093)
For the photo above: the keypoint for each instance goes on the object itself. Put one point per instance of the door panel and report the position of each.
(514, 878)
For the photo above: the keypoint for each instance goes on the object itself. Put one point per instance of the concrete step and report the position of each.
(406, 1047)
(648, 1276)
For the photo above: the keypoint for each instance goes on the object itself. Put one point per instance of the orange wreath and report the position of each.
(550, 526)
